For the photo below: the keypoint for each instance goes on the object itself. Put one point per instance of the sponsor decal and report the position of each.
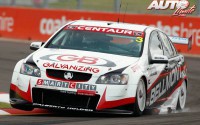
(152, 71)
(139, 39)
(80, 92)
(165, 84)
(175, 38)
(79, 59)
(181, 6)
(106, 30)
(60, 84)
(135, 68)
(62, 107)
(68, 75)
(84, 59)
(80, 109)
(6, 23)
(49, 106)
(49, 25)
(68, 92)
(86, 92)
(70, 67)
(159, 58)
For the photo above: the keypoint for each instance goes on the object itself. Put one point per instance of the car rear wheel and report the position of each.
(140, 103)
(182, 97)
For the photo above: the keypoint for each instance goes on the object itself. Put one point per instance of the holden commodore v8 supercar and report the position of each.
(102, 66)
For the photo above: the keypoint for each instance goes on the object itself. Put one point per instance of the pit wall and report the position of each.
(40, 24)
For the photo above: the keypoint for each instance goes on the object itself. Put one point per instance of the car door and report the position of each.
(154, 70)
(173, 69)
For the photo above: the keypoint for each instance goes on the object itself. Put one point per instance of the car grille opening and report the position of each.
(56, 97)
(59, 75)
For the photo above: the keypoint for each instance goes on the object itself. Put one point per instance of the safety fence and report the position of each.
(40, 24)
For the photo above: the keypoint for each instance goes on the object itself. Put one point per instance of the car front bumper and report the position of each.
(25, 91)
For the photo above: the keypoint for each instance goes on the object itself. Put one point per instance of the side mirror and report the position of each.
(159, 59)
(36, 45)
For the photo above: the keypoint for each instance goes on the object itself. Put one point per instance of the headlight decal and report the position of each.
(30, 70)
(116, 79)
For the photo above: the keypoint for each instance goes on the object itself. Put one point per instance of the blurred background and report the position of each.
(132, 6)
(39, 19)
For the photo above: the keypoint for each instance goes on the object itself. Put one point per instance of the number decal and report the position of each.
(139, 39)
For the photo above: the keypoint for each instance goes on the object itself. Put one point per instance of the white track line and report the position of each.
(4, 98)
(4, 113)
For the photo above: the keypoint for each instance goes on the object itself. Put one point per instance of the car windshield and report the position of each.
(110, 43)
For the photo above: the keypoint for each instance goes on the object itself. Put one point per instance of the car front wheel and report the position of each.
(140, 102)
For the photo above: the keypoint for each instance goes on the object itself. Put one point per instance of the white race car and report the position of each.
(102, 66)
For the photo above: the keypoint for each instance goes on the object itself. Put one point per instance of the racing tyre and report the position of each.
(182, 97)
(140, 103)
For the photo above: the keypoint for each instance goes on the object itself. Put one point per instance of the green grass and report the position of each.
(133, 6)
(102, 5)
(4, 105)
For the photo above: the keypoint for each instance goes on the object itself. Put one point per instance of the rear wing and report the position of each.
(180, 40)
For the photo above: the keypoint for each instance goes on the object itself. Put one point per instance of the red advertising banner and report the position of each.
(40, 24)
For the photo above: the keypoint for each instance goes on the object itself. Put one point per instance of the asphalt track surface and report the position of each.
(11, 52)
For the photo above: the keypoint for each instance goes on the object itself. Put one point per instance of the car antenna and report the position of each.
(119, 10)
(125, 11)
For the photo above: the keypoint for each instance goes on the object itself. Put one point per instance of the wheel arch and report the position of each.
(145, 80)
(186, 81)
(18, 66)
